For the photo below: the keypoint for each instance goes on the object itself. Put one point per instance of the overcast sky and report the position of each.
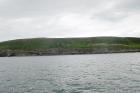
(68, 18)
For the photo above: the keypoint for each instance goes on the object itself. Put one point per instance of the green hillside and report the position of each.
(51, 43)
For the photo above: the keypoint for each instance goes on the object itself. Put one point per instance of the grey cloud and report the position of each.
(111, 16)
(118, 10)
(16, 8)
(68, 18)
(129, 5)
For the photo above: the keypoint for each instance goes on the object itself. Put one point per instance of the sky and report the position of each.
(68, 18)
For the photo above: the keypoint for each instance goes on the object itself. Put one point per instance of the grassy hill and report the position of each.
(64, 44)
(45, 43)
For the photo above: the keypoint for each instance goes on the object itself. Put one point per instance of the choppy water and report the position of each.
(97, 73)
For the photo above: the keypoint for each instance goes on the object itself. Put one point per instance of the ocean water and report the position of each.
(95, 73)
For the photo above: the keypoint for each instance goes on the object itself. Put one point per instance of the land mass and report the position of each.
(60, 46)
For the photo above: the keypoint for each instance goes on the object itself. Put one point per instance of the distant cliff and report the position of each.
(59, 46)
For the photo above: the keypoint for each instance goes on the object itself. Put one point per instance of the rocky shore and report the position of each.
(10, 53)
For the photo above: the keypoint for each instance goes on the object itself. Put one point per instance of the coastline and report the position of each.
(68, 46)
(51, 52)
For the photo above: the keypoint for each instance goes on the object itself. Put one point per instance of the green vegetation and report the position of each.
(70, 43)
(57, 46)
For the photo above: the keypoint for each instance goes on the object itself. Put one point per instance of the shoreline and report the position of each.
(68, 46)
(21, 53)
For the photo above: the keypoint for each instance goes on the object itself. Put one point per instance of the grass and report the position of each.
(92, 42)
